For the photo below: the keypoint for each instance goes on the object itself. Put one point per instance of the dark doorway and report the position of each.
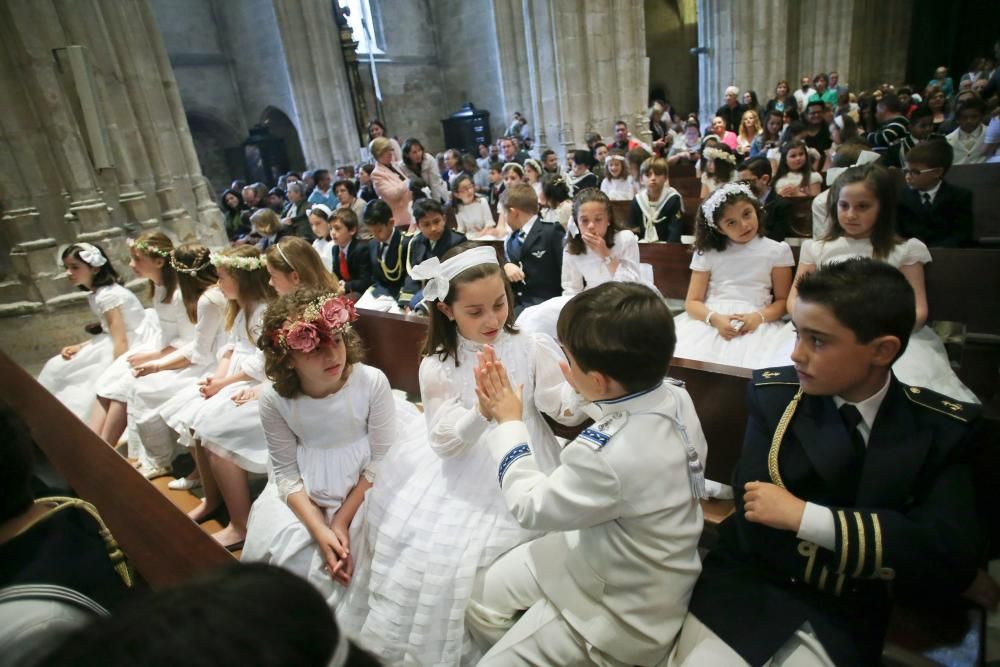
(281, 126)
(950, 34)
(212, 137)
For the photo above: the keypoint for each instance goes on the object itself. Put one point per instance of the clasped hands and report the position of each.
(498, 400)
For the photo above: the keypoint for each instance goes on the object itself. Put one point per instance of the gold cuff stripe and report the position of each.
(877, 530)
(861, 545)
(842, 518)
(822, 578)
(838, 589)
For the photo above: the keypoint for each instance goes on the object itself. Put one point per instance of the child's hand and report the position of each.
(750, 322)
(210, 386)
(772, 506)
(596, 244)
(139, 358)
(147, 368)
(514, 272)
(720, 322)
(246, 395)
(70, 351)
(790, 191)
(335, 554)
(496, 396)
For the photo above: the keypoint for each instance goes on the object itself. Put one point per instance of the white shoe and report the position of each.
(184, 484)
(153, 473)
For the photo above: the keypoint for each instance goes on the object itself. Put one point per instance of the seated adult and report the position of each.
(731, 112)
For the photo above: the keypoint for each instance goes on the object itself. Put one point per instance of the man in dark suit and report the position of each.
(386, 252)
(851, 488)
(533, 250)
(354, 266)
(433, 240)
(937, 213)
(756, 172)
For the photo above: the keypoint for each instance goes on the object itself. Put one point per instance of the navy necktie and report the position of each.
(514, 247)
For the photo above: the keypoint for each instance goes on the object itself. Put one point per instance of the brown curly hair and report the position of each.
(289, 308)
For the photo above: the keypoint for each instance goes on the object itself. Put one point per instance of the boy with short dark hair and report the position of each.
(533, 249)
(757, 173)
(936, 212)
(351, 259)
(610, 583)
(851, 487)
(893, 124)
(433, 239)
(387, 254)
(921, 129)
(967, 140)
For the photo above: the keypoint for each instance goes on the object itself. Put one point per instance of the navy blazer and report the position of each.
(946, 224)
(541, 261)
(418, 251)
(909, 520)
(359, 266)
(389, 275)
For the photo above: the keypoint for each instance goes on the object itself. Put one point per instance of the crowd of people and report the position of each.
(465, 532)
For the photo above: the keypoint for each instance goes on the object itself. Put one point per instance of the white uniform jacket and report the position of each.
(624, 560)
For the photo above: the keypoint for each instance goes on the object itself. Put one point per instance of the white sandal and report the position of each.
(184, 484)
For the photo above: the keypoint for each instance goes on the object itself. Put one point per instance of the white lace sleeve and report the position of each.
(381, 421)
(572, 277)
(626, 249)
(552, 393)
(914, 252)
(281, 444)
(109, 298)
(451, 427)
(211, 315)
(254, 364)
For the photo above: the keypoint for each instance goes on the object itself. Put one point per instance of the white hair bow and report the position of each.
(865, 157)
(91, 255)
(438, 275)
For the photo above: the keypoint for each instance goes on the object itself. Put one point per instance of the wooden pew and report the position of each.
(620, 212)
(984, 181)
(164, 546)
(670, 262)
(962, 287)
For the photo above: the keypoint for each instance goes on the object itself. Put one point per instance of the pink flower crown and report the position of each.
(322, 319)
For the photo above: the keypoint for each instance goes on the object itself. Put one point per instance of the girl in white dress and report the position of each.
(596, 252)
(435, 515)
(319, 220)
(739, 284)
(617, 182)
(795, 177)
(72, 375)
(328, 420)
(863, 202)
(556, 204)
(533, 175)
(150, 259)
(472, 212)
(222, 407)
(159, 380)
(719, 162)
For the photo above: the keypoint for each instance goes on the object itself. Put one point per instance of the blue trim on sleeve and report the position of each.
(518, 452)
(594, 436)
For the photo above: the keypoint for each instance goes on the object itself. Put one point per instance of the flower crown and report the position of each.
(719, 197)
(202, 255)
(146, 249)
(235, 262)
(322, 319)
(713, 153)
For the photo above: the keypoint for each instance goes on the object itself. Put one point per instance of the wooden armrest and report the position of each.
(716, 511)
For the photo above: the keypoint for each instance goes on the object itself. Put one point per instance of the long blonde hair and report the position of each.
(253, 284)
(756, 124)
(295, 254)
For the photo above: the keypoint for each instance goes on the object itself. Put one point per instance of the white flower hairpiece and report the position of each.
(145, 248)
(719, 197)
(234, 262)
(439, 274)
(713, 153)
(92, 255)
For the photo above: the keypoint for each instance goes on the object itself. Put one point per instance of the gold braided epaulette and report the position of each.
(945, 405)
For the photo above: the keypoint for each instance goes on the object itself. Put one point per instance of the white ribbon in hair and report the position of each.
(91, 255)
(321, 207)
(439, 274)
(865, 157)
(839, 122)
(717, 198)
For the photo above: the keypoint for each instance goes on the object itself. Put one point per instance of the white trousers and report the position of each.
(510, 613)
(698, 646)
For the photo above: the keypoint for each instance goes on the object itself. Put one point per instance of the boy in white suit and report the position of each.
(611, 584)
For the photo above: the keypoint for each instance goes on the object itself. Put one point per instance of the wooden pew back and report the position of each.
(165, 547)
(670, 262)
(962, 287)
(984, 181)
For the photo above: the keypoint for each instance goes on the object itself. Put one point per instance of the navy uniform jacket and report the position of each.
(389, 274)
(670, 216)
(419, 250)
(359, 266)
(946, 224)
(541, 261)
(911, 523)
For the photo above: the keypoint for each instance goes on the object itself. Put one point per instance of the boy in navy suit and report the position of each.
(937, 213)
(851, 488)
(351, 260)
(533, 250)
(386, 257)
(433, 240)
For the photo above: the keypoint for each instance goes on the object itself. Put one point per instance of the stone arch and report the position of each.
(213, 137)
(281, 126)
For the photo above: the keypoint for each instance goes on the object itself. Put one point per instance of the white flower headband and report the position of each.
(91, 254)
(439, 274)
(145, 248)
(234, 262)
(713, 153)
(719, 197)
(322, 208)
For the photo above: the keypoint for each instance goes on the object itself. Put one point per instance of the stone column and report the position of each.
(311, 44)
(212, 225)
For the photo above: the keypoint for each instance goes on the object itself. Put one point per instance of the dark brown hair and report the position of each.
(575, 244)
(710, 238)
(193, 285)
(105, 274)
(289, 308)
(442, 335)
(623, 330)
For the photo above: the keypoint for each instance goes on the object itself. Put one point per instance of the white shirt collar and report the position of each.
(868, 408)
(932, 192)
(526, 228)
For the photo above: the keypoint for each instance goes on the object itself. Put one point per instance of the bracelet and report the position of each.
(708, 318)
(762, 318)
